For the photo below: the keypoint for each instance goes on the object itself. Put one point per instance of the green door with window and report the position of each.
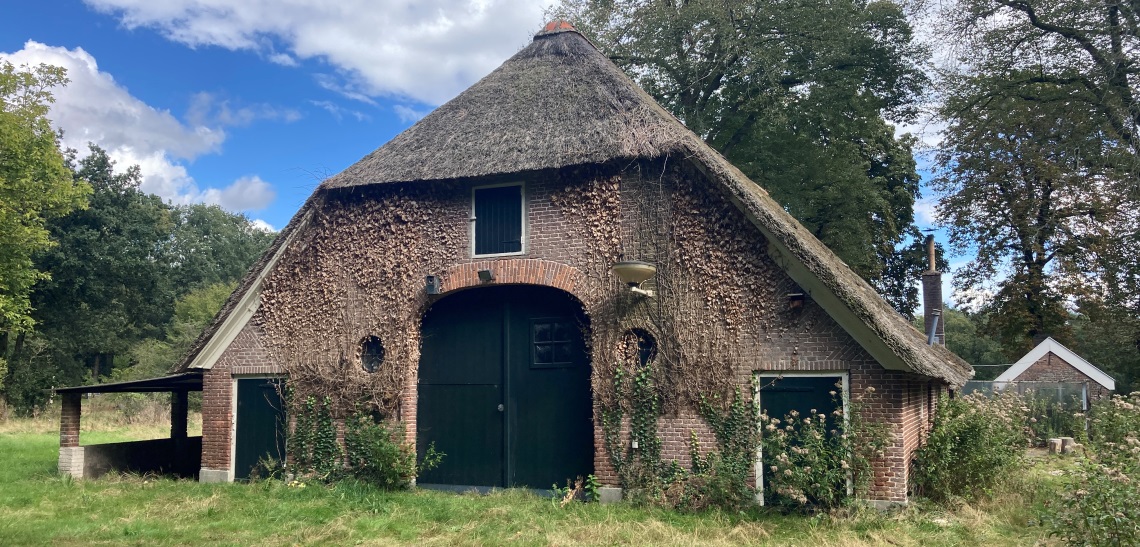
(260, 428)
(504, 388)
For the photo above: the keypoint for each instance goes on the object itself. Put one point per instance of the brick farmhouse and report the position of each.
(463, 280)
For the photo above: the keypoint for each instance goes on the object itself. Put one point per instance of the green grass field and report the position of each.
(37, 506)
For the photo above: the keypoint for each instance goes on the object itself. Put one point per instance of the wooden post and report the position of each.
(179, 410)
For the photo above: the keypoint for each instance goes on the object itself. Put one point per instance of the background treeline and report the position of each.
(99, 280)
(133, 280)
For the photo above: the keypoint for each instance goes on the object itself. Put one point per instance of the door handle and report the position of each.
(500, 407)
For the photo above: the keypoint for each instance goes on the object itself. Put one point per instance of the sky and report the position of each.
(250, 104)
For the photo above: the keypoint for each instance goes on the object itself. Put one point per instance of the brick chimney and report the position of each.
(932, 297)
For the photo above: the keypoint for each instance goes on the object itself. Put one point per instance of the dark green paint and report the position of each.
(479, 351)
(260, 424)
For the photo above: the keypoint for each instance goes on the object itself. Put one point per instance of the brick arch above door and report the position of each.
(527, 271)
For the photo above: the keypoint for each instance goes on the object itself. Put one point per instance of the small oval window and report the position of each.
(646, 345)
(371, 354)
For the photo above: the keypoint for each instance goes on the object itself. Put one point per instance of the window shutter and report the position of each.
(498, 220)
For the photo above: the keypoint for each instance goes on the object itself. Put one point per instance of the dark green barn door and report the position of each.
(778, 397)
(519, 347)
(260, 430)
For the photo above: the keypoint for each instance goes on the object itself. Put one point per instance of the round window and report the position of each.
(646, 345)
(371, 354)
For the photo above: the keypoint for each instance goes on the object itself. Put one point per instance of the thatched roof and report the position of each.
(560, 102)
(556, 103)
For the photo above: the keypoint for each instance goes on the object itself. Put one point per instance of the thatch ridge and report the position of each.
(509, 122)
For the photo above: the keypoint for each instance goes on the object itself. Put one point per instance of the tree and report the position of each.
(967, 337)
(192, 313)
(1086, 52)
(1022, 184)
(111, 284)
(211, 245)
(794, 94)
(35, 186)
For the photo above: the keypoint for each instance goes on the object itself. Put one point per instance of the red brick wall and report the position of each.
(245, 356)
(1052, 368)
(776, 338)
(69, 420)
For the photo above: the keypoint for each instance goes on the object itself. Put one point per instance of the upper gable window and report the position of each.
(497, 213)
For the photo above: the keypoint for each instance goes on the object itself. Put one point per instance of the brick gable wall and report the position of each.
(1052, 368)
(558, 254)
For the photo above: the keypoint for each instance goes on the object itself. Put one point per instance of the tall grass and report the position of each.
(39, 507)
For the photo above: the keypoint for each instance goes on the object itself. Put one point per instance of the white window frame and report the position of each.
(522, 228)
(758, 468)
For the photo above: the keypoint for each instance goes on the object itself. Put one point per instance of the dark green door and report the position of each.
(778, 397)
(260, 430)
(505, 388)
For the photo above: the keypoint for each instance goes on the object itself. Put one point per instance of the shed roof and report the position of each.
(560, 102)
(1047, 346)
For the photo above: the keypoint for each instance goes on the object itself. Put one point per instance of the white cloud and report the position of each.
(339, 112)
(426, 50)
(93, 107)
(245, 194)
(408, 114)
(926, 212)
(208, 108)
(262, 225)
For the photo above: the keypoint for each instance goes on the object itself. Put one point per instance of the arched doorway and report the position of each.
(504, 388)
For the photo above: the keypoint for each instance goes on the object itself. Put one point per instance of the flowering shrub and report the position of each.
(1101, 505)
(975, 442)
(809, 464)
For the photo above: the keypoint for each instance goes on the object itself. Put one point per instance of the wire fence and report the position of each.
(1056, 409)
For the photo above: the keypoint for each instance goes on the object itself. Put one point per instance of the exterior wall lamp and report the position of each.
(485, 276)
(634, 273)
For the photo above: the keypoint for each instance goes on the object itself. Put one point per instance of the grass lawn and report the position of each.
(37, 506)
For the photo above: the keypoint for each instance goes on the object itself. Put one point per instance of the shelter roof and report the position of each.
(185, 381)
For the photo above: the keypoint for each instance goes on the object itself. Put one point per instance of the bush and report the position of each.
(373, 455)
(371, 451)
(1101, 505)
(810, 465)
(975, 442)
(1049, 418)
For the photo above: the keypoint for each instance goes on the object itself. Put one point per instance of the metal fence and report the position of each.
(1073, 396)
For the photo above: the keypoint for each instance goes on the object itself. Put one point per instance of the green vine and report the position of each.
(638, 464)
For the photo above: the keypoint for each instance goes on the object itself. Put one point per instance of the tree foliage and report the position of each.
(35, 186)
(795, 94)
(1040, 164)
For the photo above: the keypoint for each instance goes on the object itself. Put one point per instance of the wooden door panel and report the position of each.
(260, 428)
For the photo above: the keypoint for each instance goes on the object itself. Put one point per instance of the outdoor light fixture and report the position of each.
(634, 273)
(432, 285)
(485, 276)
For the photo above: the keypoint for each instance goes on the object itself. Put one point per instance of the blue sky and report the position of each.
(249, 104)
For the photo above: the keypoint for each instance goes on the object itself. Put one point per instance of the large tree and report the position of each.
(1087, 52)
(796, 94)
(1022, 185)
(35, 185)
(111, 284)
